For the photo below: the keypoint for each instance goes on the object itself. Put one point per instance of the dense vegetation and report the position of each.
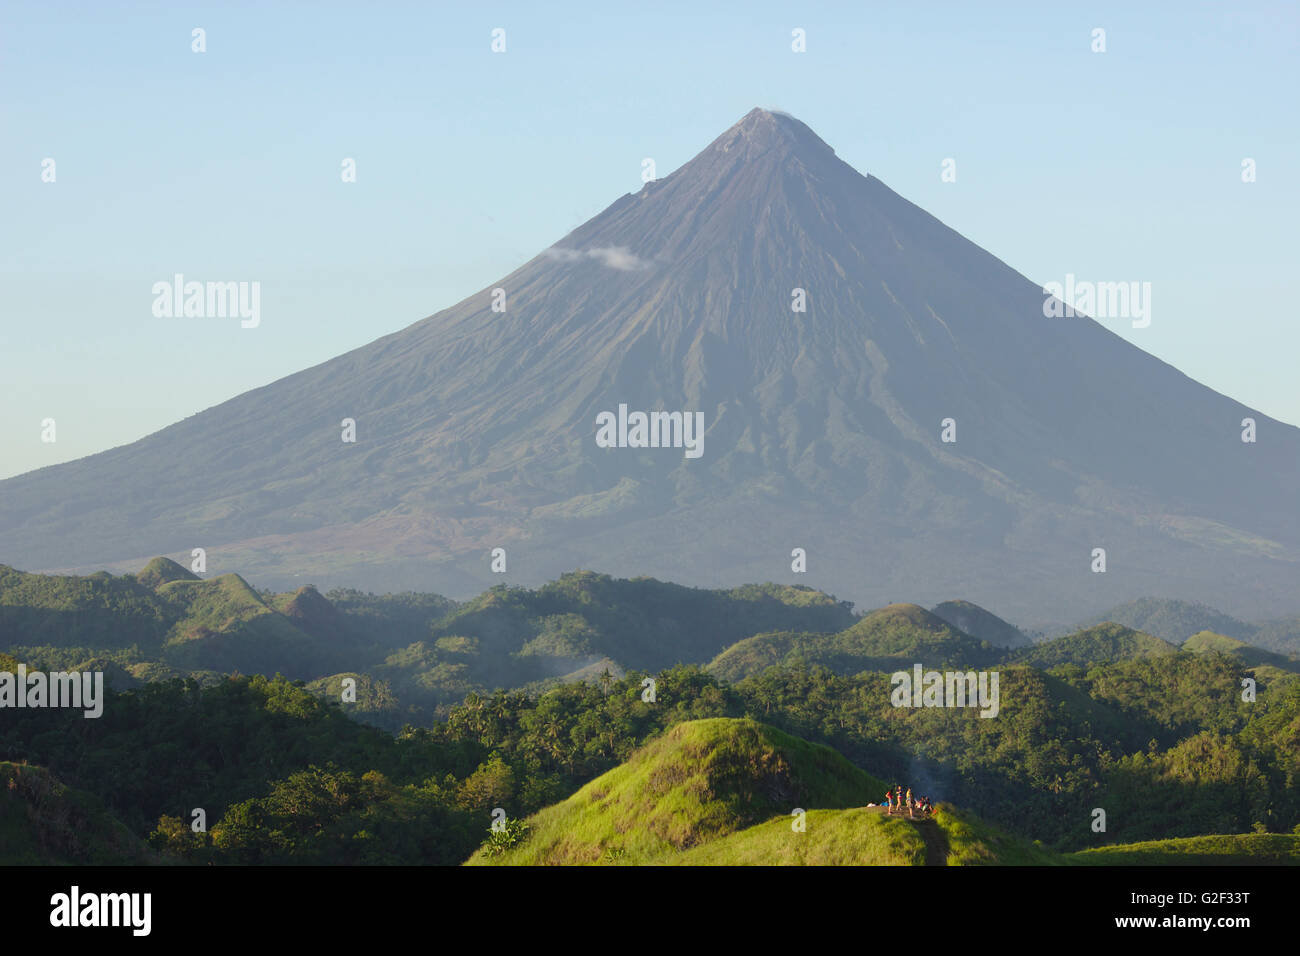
(43, 822)
(1255, 658)
(284, 776)
(413, 655)
(888, 639)
(1101, 642)
(1163, 739)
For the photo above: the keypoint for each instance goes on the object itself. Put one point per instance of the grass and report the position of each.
(858, 837)
(162, 571)
(1230, 849)
(700, 781)
(215, 604)
(972, 842)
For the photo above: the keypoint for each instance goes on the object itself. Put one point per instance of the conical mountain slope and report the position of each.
(477, 428)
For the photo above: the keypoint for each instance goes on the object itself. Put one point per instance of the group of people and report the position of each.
(898, 800)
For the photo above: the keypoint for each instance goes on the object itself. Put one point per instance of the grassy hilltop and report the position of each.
(721, 792)
(699, 781)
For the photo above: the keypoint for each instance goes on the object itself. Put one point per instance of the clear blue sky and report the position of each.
(225, 165)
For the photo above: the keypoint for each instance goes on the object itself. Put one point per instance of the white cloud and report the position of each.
(613, 257)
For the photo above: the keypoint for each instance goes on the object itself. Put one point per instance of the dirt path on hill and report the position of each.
(936, 842)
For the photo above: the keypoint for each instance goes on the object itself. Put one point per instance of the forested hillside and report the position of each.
(439, 736)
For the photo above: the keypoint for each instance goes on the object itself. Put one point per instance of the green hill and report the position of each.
(163, 621)
(1281, 635)
(974, 620)
(390, 620)
(1176, 621)
(1171, 620)
(755, 654)
(1102, 643)
(43, 822)
(1207, 642)
(167, 622)
(313, 614)
(428, 651)
(640, 623)
(1233, 849)
(700, 781)
(96, 611)
(883, 640)
(975, 842)
(226, 626)
(721, 792)
(162, 571)
(859, 837)
(866, 836)
(583, 623)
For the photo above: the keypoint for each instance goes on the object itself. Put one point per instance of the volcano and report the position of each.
(825, 334)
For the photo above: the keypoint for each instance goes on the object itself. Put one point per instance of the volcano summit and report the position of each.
(831, 336)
